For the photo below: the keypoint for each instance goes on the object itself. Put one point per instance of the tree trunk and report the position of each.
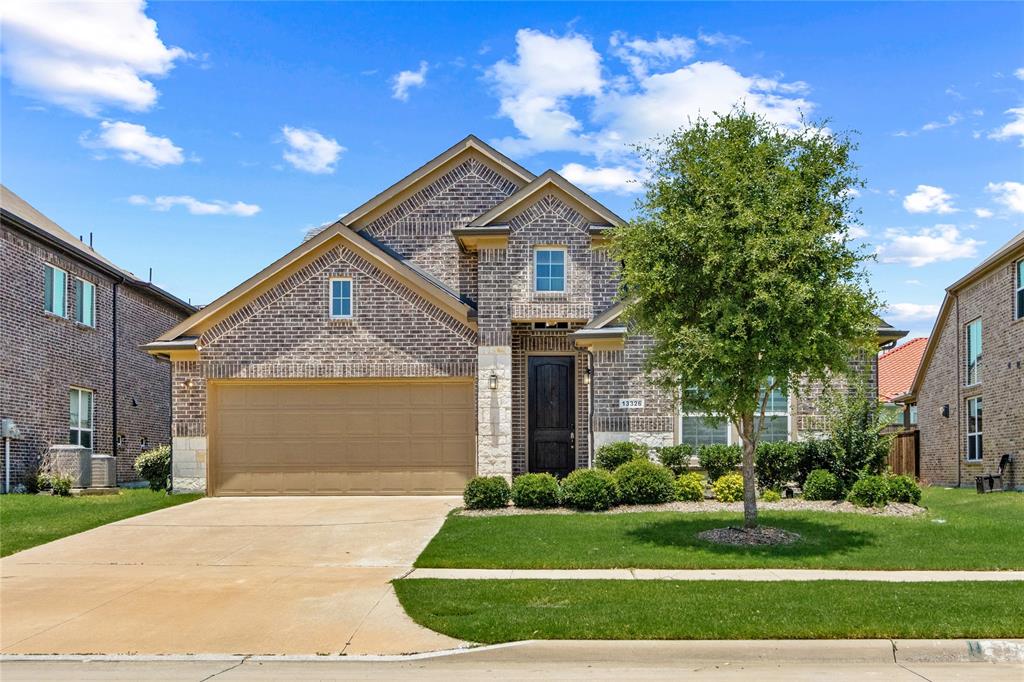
(749, 480)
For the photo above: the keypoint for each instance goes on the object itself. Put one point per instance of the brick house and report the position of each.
(973, 360)
(71, 323)
(461, 322)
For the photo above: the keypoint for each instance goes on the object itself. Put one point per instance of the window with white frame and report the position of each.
(80, 416)
(776, 416)
(341, 297)
(1020, 289)
(974, 447)
(85, 302)
(973, 343)
(56, 285)
(695, 430)
(549, 269)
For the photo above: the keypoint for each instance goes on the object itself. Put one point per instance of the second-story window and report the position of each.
(1020, 289)
(341, 298)
(56, 286)
(549, 270)
(85, 302)
(974, 352)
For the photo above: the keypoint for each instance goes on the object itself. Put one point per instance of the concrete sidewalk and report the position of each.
(752, 574)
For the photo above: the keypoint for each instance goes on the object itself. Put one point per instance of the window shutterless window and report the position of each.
(974, 447)
(1020, 289)
(56, 285)
(695, 431)
(80, 417)
(549, 270)
(973, 352)
(341, 298)
(85, 302)
(776, 416)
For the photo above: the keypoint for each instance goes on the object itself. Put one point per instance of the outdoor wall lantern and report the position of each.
(188, 383)
(945, 411)
(493, 382)
(586, 377)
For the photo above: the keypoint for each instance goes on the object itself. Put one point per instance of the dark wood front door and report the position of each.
(552, 414)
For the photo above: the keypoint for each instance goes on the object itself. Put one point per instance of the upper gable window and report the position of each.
(973, 352)
(85, 302)
(341, 298)
(56, 284)
(1020, 289)
(549, 269)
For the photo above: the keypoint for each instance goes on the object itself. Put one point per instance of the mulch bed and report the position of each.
(793, 504)
(749, 537)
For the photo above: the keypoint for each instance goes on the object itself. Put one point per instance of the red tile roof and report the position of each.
(897, 367)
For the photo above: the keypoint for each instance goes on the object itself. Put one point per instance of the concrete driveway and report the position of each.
(274, 575)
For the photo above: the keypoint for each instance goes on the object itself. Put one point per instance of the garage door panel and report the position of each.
(391, 437)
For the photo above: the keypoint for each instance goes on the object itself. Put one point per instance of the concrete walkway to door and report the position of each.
(271, 575)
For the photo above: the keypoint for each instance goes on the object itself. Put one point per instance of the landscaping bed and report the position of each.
(790, 504)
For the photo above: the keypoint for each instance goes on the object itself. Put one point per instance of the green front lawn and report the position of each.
(30, 520)
(962, 530)
(490, 611)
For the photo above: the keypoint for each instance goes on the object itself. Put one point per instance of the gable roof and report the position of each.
(430, 288)
(1010, 251)
(599, 213)
(28, 218)
(897, 367)
(469, 143)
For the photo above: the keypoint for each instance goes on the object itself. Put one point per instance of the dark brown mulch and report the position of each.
(762, 535)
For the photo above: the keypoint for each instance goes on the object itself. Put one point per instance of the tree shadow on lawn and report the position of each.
(817, 539)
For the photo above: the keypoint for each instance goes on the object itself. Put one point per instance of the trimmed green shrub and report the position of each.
(815, 454)
(822, 485)
(856, 424)
(904, 489)
(690, 487)
(486, 492)
(729, 488)
(536, 491)
(719, 460)
(642, 481)
(155, 466)
(589, 490)
(676, 458)
(870, 491)
(611, 456)
(775, 464)
(771, 496)
(60, 484)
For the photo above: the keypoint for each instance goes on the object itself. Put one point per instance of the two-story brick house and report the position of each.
(969, 388)
(461, 322)
(71, 323)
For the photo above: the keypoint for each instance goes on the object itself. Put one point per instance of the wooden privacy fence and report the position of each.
(904, 453)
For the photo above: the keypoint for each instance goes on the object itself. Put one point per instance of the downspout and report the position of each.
(590, 409)
(170, 426)
(113, 397)
(959, 363)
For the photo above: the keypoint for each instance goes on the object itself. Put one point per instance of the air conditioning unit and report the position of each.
(104, 471)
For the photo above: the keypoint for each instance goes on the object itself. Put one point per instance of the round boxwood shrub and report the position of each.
(611, 456)
(822, 485)
(815, 454)
(589, 490)
(486, 492)
(676, 458)
(536, 490)
(690, 487)
(719, 460)
(155, 466)
(904, 489)
(869, 491)
(728, 488)
(642, 481)
(771, 496)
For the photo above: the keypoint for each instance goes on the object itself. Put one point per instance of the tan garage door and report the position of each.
(352, 438)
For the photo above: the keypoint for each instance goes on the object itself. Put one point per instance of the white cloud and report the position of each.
(1014, 128)
(310, 151)
(403, 81)
(912, 311)
(641, 55)
(195, 206)
(135, 144)
(84, 56)
(928, 245)
(720, 40)
(914, 282)
(951, 120)
(856, 232)
(929, 199)
(1009, 194)
(983, 212)
(1019, 73)
(616, 179)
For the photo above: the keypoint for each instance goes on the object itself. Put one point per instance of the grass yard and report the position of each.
(30, 520)
(491, 611)
(962, 530)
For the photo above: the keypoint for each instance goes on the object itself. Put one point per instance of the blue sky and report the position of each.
(202, 139)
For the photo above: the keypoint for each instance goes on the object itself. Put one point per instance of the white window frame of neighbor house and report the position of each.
(341, 298)
(548, 248)
(974, 430)
(51, 291)
(1018, 299)
(972, 374)
(694, 418)
(84, 423)
(82, 287)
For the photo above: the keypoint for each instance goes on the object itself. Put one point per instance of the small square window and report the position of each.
(85, 302)
(55, 284)
(341, 298)
(549, 270)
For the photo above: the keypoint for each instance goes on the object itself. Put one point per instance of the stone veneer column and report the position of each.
(494, 412)
(188, 440)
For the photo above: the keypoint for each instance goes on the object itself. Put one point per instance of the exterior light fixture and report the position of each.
(586, 377)
(493, 382)
(188, 383)
(945, 411)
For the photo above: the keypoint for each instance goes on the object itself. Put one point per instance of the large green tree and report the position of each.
(739, 265)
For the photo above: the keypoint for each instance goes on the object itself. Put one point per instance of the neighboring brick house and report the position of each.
(67, 377)
(461, 322)
(897, 368)
(971, 369)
